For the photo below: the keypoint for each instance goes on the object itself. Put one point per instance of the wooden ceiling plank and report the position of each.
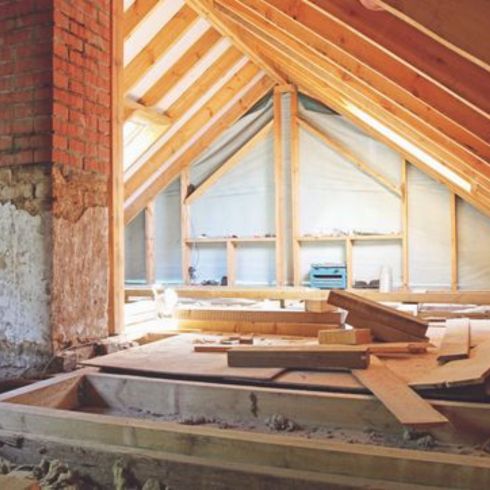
(205, 9)
(431, 105)
(171, 77)
(135, 14)
(346, 153)
(403, 42)
(460, 26)
(246, 102)
(229, 163)
(201, 117)
(418, 138)
(207, 79)
(161, 43)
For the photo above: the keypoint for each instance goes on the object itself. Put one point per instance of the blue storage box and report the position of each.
(328, 276)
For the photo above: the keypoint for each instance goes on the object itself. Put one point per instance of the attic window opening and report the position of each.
(406, 145)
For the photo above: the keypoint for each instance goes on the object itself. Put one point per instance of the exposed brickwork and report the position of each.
(25, 81)
(81, 110)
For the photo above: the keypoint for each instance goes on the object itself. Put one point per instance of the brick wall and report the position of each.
(25, 81)
(81, 110)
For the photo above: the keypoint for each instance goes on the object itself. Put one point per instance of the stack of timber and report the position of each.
(257, 321)
(385, 323)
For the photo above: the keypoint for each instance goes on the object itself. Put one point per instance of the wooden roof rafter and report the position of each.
(167, 174)
(475, 170)
(206, 10)
(160, 44)
(234, 85)
(136, 13)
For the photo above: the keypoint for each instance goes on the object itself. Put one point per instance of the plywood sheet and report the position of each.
(175, 357)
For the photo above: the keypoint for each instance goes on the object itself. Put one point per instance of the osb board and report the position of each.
(175, 357)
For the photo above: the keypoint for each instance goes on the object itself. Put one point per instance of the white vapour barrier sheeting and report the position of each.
(255, 264)
(473, 247)
(168, 252)
(134, 243)
(209, 261)
(429, 232)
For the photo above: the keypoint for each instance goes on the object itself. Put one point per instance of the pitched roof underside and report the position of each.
(409, 77)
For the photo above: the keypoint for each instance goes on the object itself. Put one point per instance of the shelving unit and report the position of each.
(348, 242)
(231, 246)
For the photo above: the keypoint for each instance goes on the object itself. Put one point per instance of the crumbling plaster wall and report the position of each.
(25, 269)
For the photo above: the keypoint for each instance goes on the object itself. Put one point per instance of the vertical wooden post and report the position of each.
(231, 262)
(404, 189)
(295, 189)
(348, 261)
(454, 241)
(185, 225)
(150, 242)
(279, 186)
(116, 180)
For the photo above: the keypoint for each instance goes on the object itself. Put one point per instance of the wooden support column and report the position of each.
(185, 225)
(454, 241)
(404, 197)
(295, 189)
(231, 262)
(348, 261)
(279, 186)
(116, 186)
(150, 242)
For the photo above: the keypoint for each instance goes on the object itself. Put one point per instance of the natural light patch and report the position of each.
(139, 135)
(421, 155)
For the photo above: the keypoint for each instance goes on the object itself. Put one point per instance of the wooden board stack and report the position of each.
(385, 323)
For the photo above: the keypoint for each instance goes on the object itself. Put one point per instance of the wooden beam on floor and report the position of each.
(406, 405)
(456, 341)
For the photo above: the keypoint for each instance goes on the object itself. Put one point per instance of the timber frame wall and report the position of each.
(296, 122)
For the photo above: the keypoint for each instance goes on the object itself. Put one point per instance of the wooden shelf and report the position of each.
(230, 239)
(330, 238)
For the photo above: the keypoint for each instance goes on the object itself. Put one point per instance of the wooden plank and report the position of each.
(404, 220)
(318, 306)
(19, 481)
(185, 226)
(258, 327)
(211, 106)
(155, 116)
(346, 153)
(295, 187)
(250, 96)
(259, 136)
(300, 357)
(150, 242)
(279, 189)
(205, 9)
(231, 262)
(454, 241)
(456, 341)
(175, 356)
(178, 70)
(361, 311)
(257, 315)
(210, 77)
(349, 337)
(95, 461)
(408, 407)
(473, 370)
(160, 44)
(398, 347)
(115, 312)
(135, 14)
